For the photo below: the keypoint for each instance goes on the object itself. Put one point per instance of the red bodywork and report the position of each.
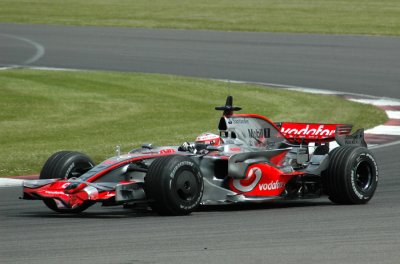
(75, 197)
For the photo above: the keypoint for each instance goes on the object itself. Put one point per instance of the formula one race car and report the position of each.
(251, 160)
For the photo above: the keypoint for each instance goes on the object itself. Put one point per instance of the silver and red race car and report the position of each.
(252, 159)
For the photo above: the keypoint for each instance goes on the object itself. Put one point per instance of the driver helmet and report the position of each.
(209, 139)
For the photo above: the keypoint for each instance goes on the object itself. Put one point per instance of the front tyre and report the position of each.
(352, 176)
(174, 185)
(65, 165)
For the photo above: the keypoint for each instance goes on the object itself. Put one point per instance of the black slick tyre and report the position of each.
(174, 185)
(352, 175)
(65, 165)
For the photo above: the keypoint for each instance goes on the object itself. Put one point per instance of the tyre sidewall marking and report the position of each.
(364, 156)
(70, 168)
(188, 165)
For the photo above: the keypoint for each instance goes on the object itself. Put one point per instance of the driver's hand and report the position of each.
(187, 146)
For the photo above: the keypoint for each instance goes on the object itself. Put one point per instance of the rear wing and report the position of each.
(311, 132)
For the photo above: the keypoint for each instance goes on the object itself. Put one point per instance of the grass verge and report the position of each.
(313, 16)
(42, 112)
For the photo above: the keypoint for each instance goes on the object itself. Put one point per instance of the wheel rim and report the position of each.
(363, 176)
(186, 186)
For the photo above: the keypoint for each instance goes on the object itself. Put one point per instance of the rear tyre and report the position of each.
(174, 185)
(65, 165)
(352, 175)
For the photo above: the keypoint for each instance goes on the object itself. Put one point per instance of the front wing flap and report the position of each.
(64, 195)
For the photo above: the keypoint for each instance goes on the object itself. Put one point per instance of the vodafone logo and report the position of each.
(308, 130)
(251, 180)
(274, 185)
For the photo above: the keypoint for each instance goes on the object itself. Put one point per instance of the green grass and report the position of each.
(42, 112)
(314, 16)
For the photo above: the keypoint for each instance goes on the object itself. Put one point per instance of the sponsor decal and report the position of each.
(69, 169)
(251, 180)
(259, 132)
(273, 185)
(179, 165)
(238, 121)
(319, 130)
(54, 192)
(167, 151)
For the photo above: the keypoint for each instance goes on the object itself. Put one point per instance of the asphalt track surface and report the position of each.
(368, 65)
(291, 232)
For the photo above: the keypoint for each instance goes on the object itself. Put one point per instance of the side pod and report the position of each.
(238, 163)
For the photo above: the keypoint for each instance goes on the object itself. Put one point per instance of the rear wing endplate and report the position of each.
(355, 139)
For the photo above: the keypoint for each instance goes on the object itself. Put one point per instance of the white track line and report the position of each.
(314, 91)
(52, 69)
(378, 102)
(385, 145)
(8, 68)
(40, 50)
